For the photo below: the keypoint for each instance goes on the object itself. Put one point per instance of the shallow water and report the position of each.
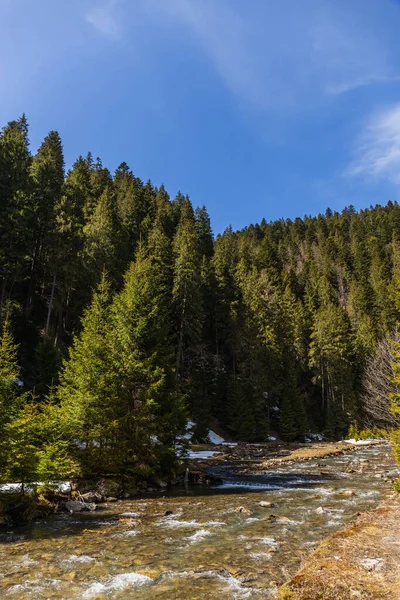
(204, 549)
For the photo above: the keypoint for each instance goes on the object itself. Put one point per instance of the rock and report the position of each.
(242, 509)
(168, 512)
(160, 483)
(111, 499)
(320, 510)
(108, 488)
(83, 485)
(75, 506)
(92, 497)
(348, 493)
(265, 504)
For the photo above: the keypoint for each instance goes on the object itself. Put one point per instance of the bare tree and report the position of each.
(378, 386)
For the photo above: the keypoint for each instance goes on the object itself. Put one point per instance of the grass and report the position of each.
(337, 569)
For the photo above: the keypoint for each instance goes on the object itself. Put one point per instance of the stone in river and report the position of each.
(75, 506)
(265, 504)
(243, 510)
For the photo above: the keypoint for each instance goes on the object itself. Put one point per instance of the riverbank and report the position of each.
(362, 561)
(258, 458)
(244, 460)
(241, 539)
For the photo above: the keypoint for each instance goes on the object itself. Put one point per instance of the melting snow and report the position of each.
(202, 453)
(361, 442)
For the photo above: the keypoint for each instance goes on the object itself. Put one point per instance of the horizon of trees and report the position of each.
(122, 316)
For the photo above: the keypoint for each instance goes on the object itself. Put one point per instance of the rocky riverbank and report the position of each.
(362, 561)
(85, 494)
(258, 458)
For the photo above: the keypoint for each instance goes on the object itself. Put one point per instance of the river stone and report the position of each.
(160, 483)
(265, 504)
(320, 510)
(92, 497)
(75, 506)
(348, 493)
(108, 488)
(242, 509)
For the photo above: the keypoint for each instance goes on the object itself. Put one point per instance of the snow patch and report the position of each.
(372, 564)
(366, 442)
(193, 454)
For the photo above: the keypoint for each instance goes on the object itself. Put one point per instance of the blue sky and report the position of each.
(256, 108)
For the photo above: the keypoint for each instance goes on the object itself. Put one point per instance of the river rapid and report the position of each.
(199, 542)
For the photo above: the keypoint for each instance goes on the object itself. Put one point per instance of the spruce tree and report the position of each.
(87, 387)
(147, 405)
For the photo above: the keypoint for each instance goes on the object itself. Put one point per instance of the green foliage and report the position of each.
(270, 327)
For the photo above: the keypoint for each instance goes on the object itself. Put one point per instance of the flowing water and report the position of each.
(204, 547)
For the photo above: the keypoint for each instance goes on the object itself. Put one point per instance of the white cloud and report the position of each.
(103, 19)
(290, 55)
(377, 151)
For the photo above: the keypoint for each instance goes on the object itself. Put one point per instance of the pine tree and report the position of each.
(187, 301)
(18, 453)
(15, 206)
(47, 175)
(87, 387)
(147, 404)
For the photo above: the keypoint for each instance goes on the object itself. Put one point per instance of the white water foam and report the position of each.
(172, 523)
(199, 536)
(82, 558)
(134, 515)
(38, 586)
(117, 583)
(261, 555)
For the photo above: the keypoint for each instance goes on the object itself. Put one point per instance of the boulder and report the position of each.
(348, 493)
(108, 488)
(75, 506)
(265, 504)
(92, 497)
(160, 483)
(242, 509)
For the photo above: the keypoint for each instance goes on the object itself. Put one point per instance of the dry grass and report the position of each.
(312, 452)
(362, 561)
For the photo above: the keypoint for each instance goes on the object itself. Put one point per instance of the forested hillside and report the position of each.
(122, 314)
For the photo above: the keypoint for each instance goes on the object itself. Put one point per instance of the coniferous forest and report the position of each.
(122, 316)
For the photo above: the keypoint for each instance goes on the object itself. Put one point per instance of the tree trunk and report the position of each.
(53, 287)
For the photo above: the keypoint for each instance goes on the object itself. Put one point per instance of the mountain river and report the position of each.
(199, 542)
